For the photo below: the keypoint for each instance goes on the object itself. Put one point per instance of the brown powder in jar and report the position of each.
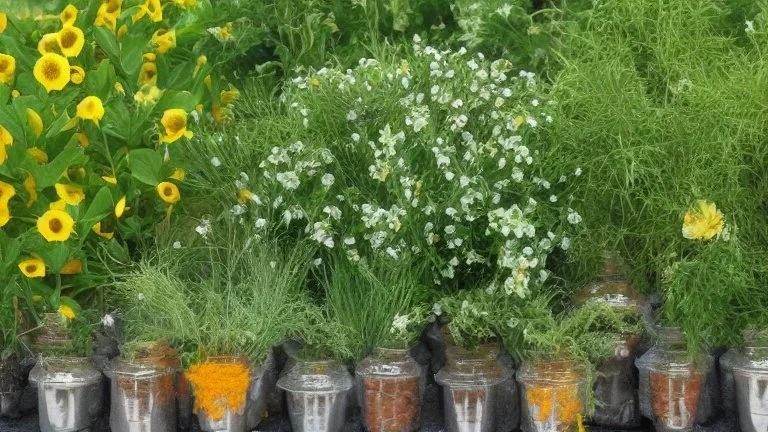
(675, 399)
(392, 404)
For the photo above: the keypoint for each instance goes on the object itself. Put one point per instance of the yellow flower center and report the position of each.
(51, 70)
(68, 39)
(168, 191)
(30, 268)
(4, 64)
(177, 123)
(55, 225)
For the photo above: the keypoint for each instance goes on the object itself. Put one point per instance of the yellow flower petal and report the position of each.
(73, 267)
(32, 268)
(36, 123)
(48, 44)
(120, 207)
(119, 89)
(52, 71)
(164, 40)
(30, 185)
(38, 155)
(168, 192)
(122, 31)
(175, 123)
(7, 69)
(229, 96)
(97, 229)
(6, 139)
(151, 9)
(178, 174)
(83, 140)
(66, 312)
(68, 16)
(109, 179)
(76, 75)
(55, 225)
(71, 41)
(7, 192)
(3, 21)
(148, 74)
(15, 93)
(91, 108)
(70, 193)
(147, 95)
(703, 222)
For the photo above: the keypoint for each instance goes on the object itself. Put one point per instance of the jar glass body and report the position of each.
(750, 373)
(317, 394)
(671, 383)
(232, 420)
(69, 393)
(553, 394)
(470, 382)
(391, 386)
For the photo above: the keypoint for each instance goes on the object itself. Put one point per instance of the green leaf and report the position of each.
(133, 47)
(47, 175)
(54, 254)
(106, 40)
(100, 207)
(183, 100)
(146, 166)
(10, 248)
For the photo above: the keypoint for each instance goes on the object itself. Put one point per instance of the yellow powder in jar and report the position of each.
(565, 399)
(218, 387)
(542, 399)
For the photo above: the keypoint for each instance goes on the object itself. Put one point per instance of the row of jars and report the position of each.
(480, 392)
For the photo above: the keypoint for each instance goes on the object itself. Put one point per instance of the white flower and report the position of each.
(449, 175)
(260, 223)
(450, 229)
(392, 252)
(458, 103)
(333, 212)
(405, 82)
(400, 324)
(565, 243)
(177, 244)
(535, 102)
(573, 217)
(322, 235)
(238, 209)
(349, 241)
(577, 172)
(317, 262)
(288, 179)
(107, 320)
(351, 115)
(273, 264)
(450, 211)
(750, 27)
(355, 137)
(140, 296)
(327, 180)
(215, 162)
(437, 309)
(204, 227)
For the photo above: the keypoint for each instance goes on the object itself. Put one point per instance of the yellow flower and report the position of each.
(229, 96)
(3, 21)
(76, 173)
(199, 108)
(150, 57)
(52, 71)
(32, 268)
(168, 192)
(314, 82)
(91, 108)
(404, 68)
(49, 44)
(120, 207)
(519, 120)
(218, 113)
(175, 123)
(34, 120)
(243, 195)
(109, 179)
(6, 139)
(97, 229)
(122, 31)
(703, 221)
(76, 75)
(6, 193)
(225, 33)
(31, 187)
(7, 69)
(66, 312)
(178, 174)
(104, 18)
(150, 8)
(147, 95)
(70, 193)
(71, 40)
(55, 225)
(72, 267)
(83, 140)
(58, 205)
(184, 3)
(164, 40)
(119, 89)
(202, 60)
(148, 74)
(15, 93)
(68, 16)
(37, 298)
(38, 155)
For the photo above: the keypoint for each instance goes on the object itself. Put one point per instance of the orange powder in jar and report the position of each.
(219, 387)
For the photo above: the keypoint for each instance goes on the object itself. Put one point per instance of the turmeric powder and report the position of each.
(219, 387)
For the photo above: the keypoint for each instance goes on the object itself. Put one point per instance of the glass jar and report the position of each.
(469, 380)
(611, 286)
(143, 393)
(391, 384)
(316, 392)
(69, 393)
(53, 334)
(750, 373)
(553, 393)
(615, 388)
(230, 420)
(671, 383)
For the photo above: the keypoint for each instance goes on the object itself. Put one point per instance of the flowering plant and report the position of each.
(442, 155)
(92, 101)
